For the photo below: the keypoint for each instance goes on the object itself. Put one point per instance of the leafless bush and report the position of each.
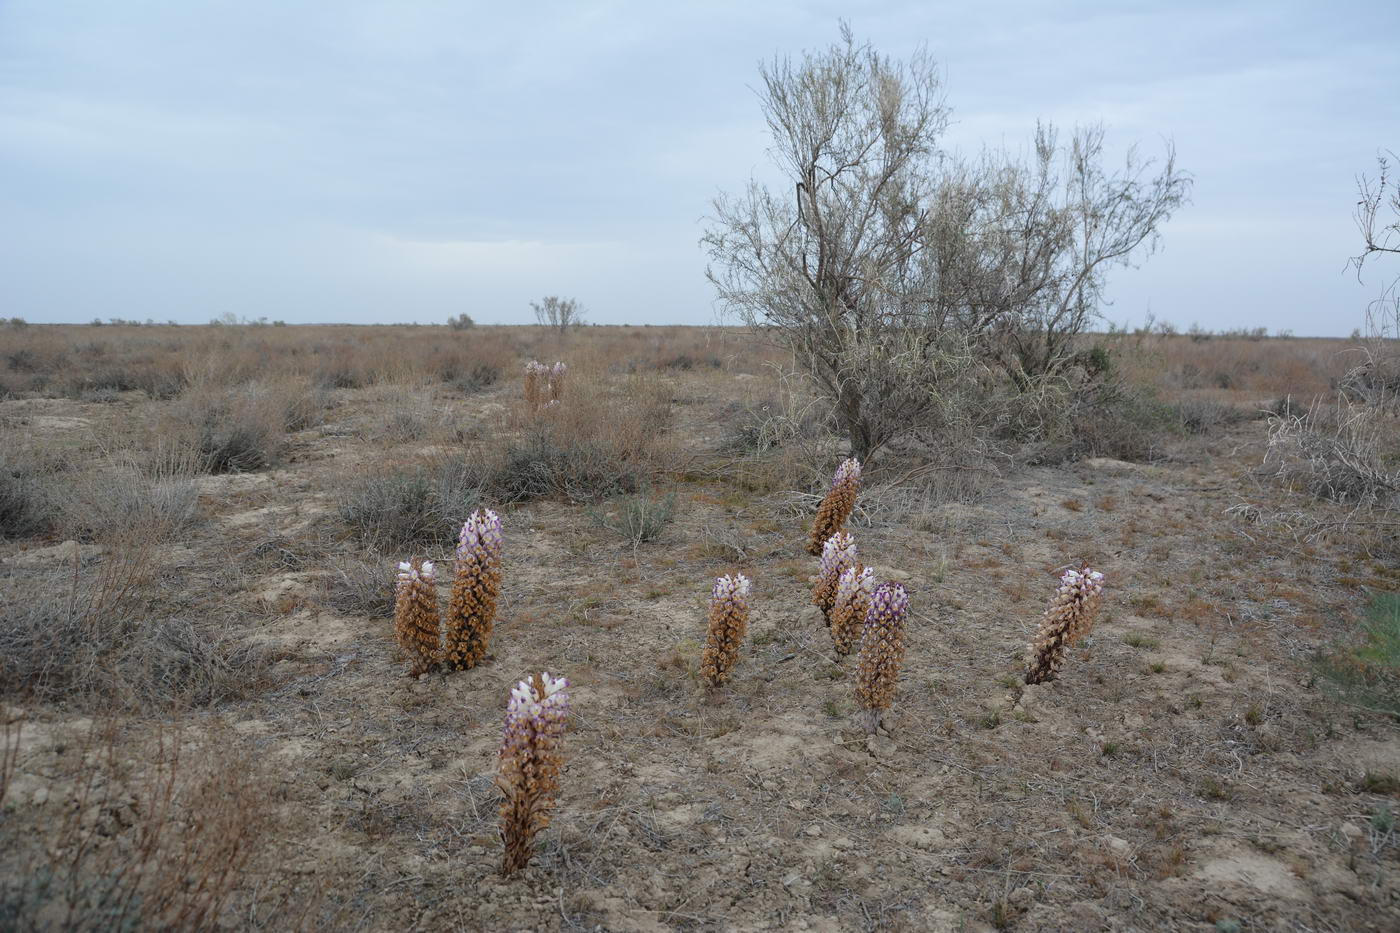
(362, 587)
(1376, 379)
(558, 313)
(154, 840)
(899, 275)
(1335, 452)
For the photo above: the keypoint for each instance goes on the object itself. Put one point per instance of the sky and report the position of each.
(409, 160)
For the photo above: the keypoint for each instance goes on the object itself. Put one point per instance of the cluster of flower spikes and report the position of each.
(838, 555)
(881, 651)
(836, 506)
(852, 602)
(536, 383)
(729, 620)
(530, 759)
(556, 382)
(1070, 617)
(475, 588)
(416, 615)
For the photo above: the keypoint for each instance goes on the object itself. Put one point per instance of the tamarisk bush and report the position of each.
(838, 555)
(881, 652)
(852, 602)
(530, 760)
(475, 588)
(1070, 617)
(416, 615)
(837, 505)
(729, 620)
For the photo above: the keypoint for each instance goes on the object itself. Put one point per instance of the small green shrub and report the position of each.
(1366, 672)
(638, 518)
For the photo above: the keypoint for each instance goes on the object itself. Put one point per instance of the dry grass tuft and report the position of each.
(155, 839)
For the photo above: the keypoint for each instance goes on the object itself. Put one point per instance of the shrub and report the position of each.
(199, 815)
(413, 509)
(1335, 453)
(154, 491)
(361, 587)
(638, 518)
(577, 470)
(103, 636)
(25, 508)
(1366, 673)
(462, 321)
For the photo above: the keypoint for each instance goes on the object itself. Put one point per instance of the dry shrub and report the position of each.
(600, 442)
(408, 510)
(363, 586)
(155, 839)
(410, 414)
(105, 630)
(25, 508)
(1337, 452)
(153, 489)
(243, 427)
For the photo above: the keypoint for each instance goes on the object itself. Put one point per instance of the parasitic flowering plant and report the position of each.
(536, 384)
(416, 615)
(476, 586)
(838, 555)
(557, 372)
(1071, 616)
(530, 760)
(837, 505)
(881, 652)
(729, 620)
(852, 602)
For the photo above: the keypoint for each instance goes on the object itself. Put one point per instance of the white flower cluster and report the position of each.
(853, 586)
(480, 533)
(731, 589)
(531, 714)
(848, 471)
(838, 553)
(557, 371)
(1084, 581)
(409, 574)
(537, 369)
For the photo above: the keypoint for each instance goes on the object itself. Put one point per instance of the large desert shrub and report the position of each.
(898, 274)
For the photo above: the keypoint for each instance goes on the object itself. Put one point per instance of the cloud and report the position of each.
(362, 159)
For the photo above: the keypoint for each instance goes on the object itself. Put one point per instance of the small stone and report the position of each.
(843, 843)
(880, 746)
(798, 805)
(1351, 831)
(792, 879)
(814, 831)
(1119, 846)
(41, 796)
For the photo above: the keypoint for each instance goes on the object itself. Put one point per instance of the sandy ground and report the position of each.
(1185, 773)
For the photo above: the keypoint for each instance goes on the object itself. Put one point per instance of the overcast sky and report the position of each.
(344, 160)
